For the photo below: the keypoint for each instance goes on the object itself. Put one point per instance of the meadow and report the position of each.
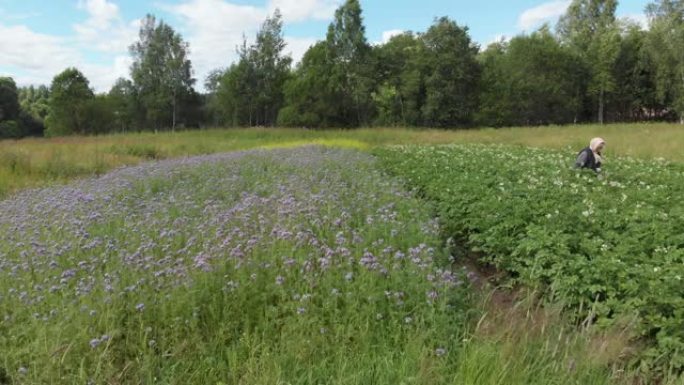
(39, 162)
(293, 256)
(301, 266)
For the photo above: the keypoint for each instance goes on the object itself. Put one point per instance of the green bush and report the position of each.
(10, 129)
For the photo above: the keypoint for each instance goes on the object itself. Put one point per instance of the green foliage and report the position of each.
(332, 86)
(16, 117)
(584, 20)
(250, 92)
(589, 27)
(124, 105)
(609, 249)
(14, 121)
(389, 105)
(9, 99)
(70, 96)
(35, 107)
(10, 129)
(309, 100)
(665, 42)
(399, 95)
(35, 101)
(161, 73)
(101, 115)
(634, 97)
(530, 80)
(451, 84)
(352, 66)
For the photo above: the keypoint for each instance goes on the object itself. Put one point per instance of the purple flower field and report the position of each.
(242, 267)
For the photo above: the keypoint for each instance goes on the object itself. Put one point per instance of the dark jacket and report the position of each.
(586, 159)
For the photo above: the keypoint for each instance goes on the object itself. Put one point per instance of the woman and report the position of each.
(591, 156)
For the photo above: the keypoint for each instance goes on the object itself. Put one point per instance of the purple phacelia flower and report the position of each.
(95, 342)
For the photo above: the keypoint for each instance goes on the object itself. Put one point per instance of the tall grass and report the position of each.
(37, 162)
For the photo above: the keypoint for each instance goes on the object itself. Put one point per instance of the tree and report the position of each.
(452, 84)
(603, 54)
(272, 69)
(17, 118)
(665, 42)
(589, 27)
(100, 115)
(310, 100)
(634, 97)
(400, 73)
(497, 98)
(213, 109)
(237, 90)
(161, 72)
(584, 19)
(9, 99)
(34, 103)
(333, 84)
(352, 66)
(251, 92)
(70, 95)
(124, 104)
(10, 110)
(530, 80)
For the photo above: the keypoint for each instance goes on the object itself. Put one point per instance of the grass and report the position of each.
(301, 266)
(227, 327)
(39, 162)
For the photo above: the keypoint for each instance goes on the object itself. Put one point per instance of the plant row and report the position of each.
(610, 248)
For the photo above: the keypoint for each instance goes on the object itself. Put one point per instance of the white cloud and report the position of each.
(549, 11)
(102, 12)
(105, 30)
(23, 48)
(639, 18)
(387, 35)
(215, 28)
(297, 46)
(102, 77)
(39, 57)
(300, 10)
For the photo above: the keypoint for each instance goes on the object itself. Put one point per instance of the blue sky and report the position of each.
(39, 38)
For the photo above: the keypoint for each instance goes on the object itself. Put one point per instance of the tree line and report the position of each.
(592, 67)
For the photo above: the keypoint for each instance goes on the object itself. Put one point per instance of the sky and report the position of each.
(40, 38)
